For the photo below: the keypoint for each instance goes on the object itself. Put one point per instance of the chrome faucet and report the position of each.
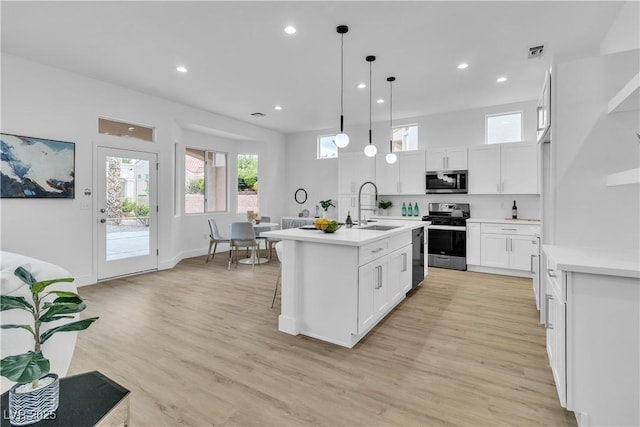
(360, 222)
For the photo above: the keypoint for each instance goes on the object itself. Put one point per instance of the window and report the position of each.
(247, 182)
(505, 127)
(327, 148)
(116, 128)
(405, 138)
(205, 178)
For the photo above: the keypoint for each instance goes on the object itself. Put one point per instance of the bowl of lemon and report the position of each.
(327, 225)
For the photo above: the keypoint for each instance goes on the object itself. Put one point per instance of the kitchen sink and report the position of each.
(380, 227)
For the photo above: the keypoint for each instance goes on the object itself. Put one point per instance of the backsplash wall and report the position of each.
(481, 206)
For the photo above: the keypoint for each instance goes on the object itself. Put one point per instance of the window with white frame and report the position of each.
(205, 178)
(405, 138)
(248, 183)
(327, 148)
(504, 127)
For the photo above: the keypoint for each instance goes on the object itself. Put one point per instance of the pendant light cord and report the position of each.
(341, 77)
(370, 101)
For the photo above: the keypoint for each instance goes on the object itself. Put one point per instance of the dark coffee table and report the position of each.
(87, 399)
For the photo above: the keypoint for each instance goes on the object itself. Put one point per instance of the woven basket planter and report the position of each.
(33, 406)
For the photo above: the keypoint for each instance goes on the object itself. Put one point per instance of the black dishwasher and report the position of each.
(417, 258)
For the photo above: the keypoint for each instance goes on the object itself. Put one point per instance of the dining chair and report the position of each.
(259, 229)
(242, 236)
(278, 246)
(215, 238)
(269, 242)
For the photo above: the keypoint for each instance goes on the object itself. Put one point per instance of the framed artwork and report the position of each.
(33, 168)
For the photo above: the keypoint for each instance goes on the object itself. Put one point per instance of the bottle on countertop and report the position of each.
(514, 211)
(416, 210)
(404, 209)
(409, 210)
(349, 222)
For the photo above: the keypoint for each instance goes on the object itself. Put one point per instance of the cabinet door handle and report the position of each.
(498, 186)
(538, 111)
(547, 323)
(379, 268)
(509, 229)
(375, 251)
(404, 262)
(532, 257)
(506, 245)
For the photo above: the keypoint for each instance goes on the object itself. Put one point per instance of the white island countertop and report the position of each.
(609, 262)
(355, 236)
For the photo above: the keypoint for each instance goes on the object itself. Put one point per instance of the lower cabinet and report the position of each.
(508, 247)
(555, 325)
(382, 283)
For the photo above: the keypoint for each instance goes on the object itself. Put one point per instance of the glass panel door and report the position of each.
(127, 211)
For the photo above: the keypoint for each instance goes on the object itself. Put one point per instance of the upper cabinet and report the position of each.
(452, 158)
(406, 176)
(354, 169)
(504, 169)
(544, 110)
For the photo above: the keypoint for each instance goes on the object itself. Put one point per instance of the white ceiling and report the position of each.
(240, 61)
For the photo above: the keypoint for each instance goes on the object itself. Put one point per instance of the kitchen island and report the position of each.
(337, 286)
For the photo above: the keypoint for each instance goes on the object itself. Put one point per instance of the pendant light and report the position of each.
(370, 150)
(342, 139)
(392, 157)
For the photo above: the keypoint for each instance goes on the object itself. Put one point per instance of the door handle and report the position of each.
(380, 276)
(532, 256)
(103, 220)
(103, 210)
(547, 323)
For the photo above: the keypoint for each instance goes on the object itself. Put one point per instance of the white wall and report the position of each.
(46, 102)
(588, 144)
(459, 128)
(624, 33)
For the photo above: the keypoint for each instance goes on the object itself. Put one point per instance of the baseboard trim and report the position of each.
(500, 271)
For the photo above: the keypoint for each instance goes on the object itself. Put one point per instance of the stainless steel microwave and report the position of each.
(446, 182)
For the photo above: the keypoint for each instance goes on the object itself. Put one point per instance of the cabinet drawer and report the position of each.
(520, 229)
(373, 250)
(555, 282)
(398, 242)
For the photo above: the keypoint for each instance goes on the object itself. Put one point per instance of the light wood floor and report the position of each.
(198, 345)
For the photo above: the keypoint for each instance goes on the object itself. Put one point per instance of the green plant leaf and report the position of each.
(64, 294)
(38, 287)
(24, 275)
(24, 368)
(27, 327)
(65, 300)
(10, 302)
(54, 310)
(73, 326)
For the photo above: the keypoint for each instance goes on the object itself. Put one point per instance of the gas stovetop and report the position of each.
(455, 214)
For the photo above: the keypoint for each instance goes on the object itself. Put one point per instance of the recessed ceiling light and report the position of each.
(278, 107)
(501, 79)
(290, 30)
(380, 101)
(462, 66)
(361, 85)
(181, 69)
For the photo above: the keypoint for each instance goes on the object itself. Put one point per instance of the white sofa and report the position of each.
(59, 348)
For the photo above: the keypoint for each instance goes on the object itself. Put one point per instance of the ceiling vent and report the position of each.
(535, 51)
(258, 114)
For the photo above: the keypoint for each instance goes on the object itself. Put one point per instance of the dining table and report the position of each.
(258, 227)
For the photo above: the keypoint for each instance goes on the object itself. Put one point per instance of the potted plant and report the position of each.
(384, 206)
(35, 396)
(325, 206)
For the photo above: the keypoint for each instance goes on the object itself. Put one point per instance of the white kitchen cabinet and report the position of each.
(508, 246)
(473, 243)
(543, 110)
(372, 293)
(452, 158)
(555, 305)
(592, 323)
(406, 176)
(354, 169)
(399, 273)
(504, 169)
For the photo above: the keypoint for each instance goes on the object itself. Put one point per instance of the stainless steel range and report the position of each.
(448, 235)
